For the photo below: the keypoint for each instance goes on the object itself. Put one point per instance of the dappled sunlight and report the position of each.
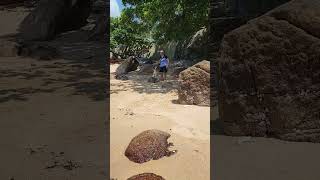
(139, 83)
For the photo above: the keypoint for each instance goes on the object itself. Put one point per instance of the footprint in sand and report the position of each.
(189, 132)
(129, 113)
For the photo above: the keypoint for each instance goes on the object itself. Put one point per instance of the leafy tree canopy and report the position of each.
(143, 22)
(170, 19)
(128, 35)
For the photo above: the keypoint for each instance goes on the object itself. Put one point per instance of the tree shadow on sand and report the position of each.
(84, 79)
(84, 64)
(79, 66)
(139, 83)
(216, 125)
(20, 94)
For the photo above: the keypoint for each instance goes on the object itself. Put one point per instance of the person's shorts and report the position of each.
(163, 69)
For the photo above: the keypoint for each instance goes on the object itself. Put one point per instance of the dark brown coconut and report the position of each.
(148, 145)
(146, 176)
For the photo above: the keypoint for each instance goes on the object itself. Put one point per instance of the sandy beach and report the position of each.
(252, 158)
(53, 115)
(243, 158)
(54, 124)
(137, 105)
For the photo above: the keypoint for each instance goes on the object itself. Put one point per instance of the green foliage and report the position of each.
(170, 20)
(128, 35)
(143, 22)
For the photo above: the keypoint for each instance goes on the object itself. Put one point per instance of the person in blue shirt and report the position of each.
(163, 65)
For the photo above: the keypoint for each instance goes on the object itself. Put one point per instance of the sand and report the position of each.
(55, 111)
(259, 158)
(137, 105)
(53, 115)
(241, 158)
(10, 19)
(45, 117)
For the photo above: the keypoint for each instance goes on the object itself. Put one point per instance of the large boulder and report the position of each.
(194, 84)
(227, 15)
(196, 48)
(51, 17)
(100, 6)
(193, 48)
(39, 50)
(148, 145)
(269, 75)
(100, 30)
(170, 49)
(148, 68)
(130, 64)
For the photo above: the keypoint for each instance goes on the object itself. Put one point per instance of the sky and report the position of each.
(116, 7)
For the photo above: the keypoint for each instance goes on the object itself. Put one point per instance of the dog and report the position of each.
(154, 77)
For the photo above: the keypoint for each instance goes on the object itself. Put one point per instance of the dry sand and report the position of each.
(43, 122)
(137, 105)
(252, 158)
(53, 116)
(241, 158)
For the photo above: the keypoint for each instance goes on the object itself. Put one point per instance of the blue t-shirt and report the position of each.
(164, 61)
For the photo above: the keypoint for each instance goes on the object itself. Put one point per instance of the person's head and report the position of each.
(161, 53)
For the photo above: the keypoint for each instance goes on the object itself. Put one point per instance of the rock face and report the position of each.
(227, 15)
(193, 48)
(39, 50)
(130, 64)
(100, 6)
(148, 145)
(146, 176)
(176, 71)
(269, 75)
(100, 30)
(147, 68)
(51, 17)
(195, 84)
(170, 49)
